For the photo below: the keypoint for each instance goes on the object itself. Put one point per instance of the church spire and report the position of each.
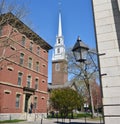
(60, 25)
(59, 48)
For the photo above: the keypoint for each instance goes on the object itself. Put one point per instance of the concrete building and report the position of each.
(23, 69)
(107, 26)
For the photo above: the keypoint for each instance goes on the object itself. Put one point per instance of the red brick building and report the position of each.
(23, 68)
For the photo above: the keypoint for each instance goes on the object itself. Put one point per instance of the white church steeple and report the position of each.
(59, 48)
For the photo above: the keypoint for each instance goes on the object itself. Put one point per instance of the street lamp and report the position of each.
(79, 50)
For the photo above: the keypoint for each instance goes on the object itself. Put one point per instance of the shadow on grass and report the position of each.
(76, 123)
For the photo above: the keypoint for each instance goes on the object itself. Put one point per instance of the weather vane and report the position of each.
(59, 3)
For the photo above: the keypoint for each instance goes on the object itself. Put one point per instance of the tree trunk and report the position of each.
(91, 101)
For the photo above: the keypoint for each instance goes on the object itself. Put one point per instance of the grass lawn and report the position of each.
(81, 115)
(11, 121)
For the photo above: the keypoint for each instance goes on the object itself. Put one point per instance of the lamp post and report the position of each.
(80, 51)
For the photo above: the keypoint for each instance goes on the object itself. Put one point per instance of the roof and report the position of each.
(73, 84)
(24, 29)
(67, 84)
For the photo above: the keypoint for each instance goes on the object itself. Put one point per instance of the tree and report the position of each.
(85, 72)
(96, 93)
(20, 12)
(65, 100)
(19, 9)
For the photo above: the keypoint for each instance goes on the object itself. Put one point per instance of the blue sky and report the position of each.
(77, 19)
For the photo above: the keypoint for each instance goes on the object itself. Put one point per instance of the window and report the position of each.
(17, 100)
(58, 41)
(19, 78)
(30, 63)
(58, 50)
(7, 91)
(15, 30)
(12, 47)
(28, 81)
(10, 68)
(43, 81)
(37, 66)
(38, 50)
(35, 102)
(31, 46)
(44, 51)
(21, 58)
(36, 83)
(57, 67)
(23, 41)
(44, 65)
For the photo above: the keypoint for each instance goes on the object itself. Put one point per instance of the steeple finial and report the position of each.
(59, 3)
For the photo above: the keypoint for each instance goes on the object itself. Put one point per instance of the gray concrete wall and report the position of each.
(107, 24)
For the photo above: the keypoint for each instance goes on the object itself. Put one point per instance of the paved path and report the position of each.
(67, 121)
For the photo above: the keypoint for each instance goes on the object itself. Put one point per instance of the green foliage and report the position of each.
(65, 100)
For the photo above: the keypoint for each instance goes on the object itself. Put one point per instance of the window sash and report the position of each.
(28, 81)
(37, 66)
(31, 46)
(21, 58)
(17, 100)
(23, 41)
(30, 63)
(38, 51)
(36, 83)
(19, 78)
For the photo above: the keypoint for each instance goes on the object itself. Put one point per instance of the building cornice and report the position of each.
(24, 29)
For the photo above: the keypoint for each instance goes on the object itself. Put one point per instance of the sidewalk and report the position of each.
(60, 121)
